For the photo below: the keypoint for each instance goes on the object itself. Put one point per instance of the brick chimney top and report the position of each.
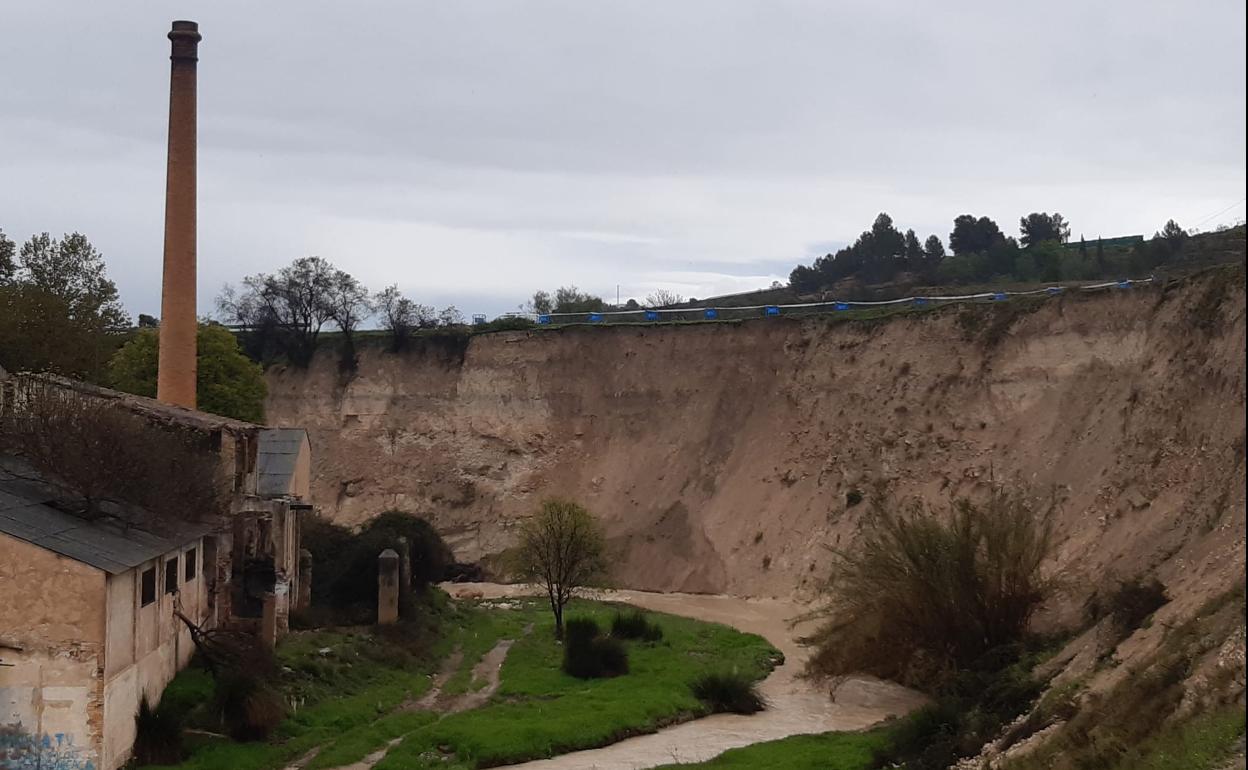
(185, 37)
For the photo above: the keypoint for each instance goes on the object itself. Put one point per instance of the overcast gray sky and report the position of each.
(473, 152)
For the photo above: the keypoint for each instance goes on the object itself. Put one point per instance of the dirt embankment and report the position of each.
(725, 457)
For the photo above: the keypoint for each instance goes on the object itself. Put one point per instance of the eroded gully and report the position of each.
(795, 705)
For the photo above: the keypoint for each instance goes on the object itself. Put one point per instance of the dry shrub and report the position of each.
(924, 594)
(98, 454)
(250, 705)
(728, 692)
(635, 624)
(157, 735)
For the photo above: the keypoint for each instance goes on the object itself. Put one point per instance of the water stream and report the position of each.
(796, 706)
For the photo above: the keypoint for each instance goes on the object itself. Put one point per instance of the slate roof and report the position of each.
(26, 513)
(277, 453)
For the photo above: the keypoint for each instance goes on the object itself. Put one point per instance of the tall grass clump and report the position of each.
(157, 735)
(728, 692)
(924, 594)
(587, 654)
(635, 624)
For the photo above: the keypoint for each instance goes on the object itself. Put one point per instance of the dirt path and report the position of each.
(488, 669)
(795, 706)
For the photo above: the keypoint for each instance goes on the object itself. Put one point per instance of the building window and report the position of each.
(149, 586)
(171, 576)
(190, 566)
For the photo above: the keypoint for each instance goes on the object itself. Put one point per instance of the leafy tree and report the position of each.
(283, 314)
(1039, 227)
(58, 309)
(562, 549)
(974, 236)
(228, 383)
(542, 303)
(1172, 234)
(569, 299)
(73, 270)
(148, 322)
(450, 316)
(663, 298)
(8, 261)
(914, 250)
(933, 249)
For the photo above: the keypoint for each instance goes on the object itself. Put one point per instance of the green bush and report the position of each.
(589, 655)
(344, 563)
(635, 624)
(730, 692)
(924, 594)
(157, 735)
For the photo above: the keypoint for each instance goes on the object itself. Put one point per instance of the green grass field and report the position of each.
(539, 711)
(352, 694)
(825, 751)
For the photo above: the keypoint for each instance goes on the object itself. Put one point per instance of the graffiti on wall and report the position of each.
(20, 750)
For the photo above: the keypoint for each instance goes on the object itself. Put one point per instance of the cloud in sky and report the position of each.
(473, 152)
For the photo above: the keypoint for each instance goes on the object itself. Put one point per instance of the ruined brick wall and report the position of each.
(52, 623)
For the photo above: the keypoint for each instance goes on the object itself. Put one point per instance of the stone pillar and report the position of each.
(303, 596)
(175, 378)
(405, 574)
(268, 621)
(387, 587)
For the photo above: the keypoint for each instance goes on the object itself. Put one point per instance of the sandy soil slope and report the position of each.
(721, 456)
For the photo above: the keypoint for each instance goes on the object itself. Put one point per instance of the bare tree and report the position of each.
(349, 306)
(563, 549)
(97, 454)
(401, 316)
(663, 298)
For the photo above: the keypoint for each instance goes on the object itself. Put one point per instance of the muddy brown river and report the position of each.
(795, 705)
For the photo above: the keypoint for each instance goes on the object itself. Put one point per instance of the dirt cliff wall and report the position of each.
(721, 456)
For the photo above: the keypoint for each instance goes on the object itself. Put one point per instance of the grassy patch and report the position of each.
(826, 751)
(540, 711)
(340, 683)
(350, 687)
(1202, 744)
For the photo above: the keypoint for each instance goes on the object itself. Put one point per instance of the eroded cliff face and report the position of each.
(721, 456)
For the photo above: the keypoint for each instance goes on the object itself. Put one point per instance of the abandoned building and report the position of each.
(87, 621)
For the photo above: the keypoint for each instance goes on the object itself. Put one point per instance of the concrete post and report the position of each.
(405, 574)
(303, 597)
(387, 587)
(175, 377)
(268, 621)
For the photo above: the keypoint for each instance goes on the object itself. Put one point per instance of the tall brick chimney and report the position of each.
(175, 379)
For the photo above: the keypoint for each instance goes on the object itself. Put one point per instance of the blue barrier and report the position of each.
(771, 311)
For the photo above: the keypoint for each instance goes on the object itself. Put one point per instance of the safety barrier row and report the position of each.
(714, 313)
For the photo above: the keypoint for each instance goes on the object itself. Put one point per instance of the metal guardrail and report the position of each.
(712, 313)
